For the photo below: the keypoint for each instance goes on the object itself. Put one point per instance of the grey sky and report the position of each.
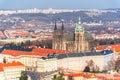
(60, 4)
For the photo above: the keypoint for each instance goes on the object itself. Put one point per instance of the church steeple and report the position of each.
(79, 22)
(78, 27)
(55, 28)
(62, 25)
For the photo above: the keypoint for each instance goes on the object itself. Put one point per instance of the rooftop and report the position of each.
(104, 52)
(15, 48)
(81, 74)
(114, 47)
(9, 64)
(35, 51)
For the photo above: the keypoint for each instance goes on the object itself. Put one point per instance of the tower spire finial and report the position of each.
(62, 24)
(79, 20)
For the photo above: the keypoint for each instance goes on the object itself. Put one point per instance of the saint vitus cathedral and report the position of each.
(74, 42)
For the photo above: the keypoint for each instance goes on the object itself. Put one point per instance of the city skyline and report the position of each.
(59, 4)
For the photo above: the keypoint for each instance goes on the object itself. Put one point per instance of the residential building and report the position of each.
(114, 47)
(46, 65)
(78, 61)
(31, 59)
(42, 61)
(11, 70)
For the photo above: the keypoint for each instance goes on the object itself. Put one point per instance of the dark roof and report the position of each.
(105, 52)
(15, 48)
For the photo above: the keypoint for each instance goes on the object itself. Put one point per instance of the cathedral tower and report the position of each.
(55, 37)
(79, 37)
(63, 40)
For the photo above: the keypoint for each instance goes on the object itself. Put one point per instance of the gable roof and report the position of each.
(10, 64)
(36, 51)
(114, 47)
(90, 75)
(75, 74)
(82, 74)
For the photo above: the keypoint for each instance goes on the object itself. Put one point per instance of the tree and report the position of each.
(91, 67)
(117, 64)
(111, 65)
(60, 77)
(87, 69)
(24, 75)
(22, 45)
(4, 60)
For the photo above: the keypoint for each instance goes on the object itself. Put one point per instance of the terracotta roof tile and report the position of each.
(14, 63)
(36, 51)
(115, 47)
(1, 68)
(75, 74)
(10, 64)
(101, 48)
(90, 75)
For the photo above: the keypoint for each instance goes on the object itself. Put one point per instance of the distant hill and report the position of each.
(86, 16)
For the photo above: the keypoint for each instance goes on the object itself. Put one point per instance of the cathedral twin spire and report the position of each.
(55, 28)
(78, 27)
(62, 25)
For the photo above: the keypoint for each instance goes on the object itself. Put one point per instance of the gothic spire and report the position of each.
(55, 28)
(62, 25)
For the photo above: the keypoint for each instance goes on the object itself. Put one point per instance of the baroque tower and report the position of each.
(79, 37)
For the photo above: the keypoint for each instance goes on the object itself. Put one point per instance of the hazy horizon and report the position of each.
(59, 4)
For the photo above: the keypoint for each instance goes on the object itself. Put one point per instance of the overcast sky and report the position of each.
(59, 4)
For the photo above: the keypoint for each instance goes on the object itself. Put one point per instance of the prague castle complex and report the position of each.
(74, 42)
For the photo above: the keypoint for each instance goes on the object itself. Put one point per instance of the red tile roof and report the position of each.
(75, 74)
(50, 51)
(36, 51)
(115, 47)
(1, 68)
(82, 74)
(12, 64)
(108, 76)
(101, 48)
(90, 75)
(16, 52)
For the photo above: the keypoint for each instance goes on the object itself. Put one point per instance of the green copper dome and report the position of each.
(79, 27)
